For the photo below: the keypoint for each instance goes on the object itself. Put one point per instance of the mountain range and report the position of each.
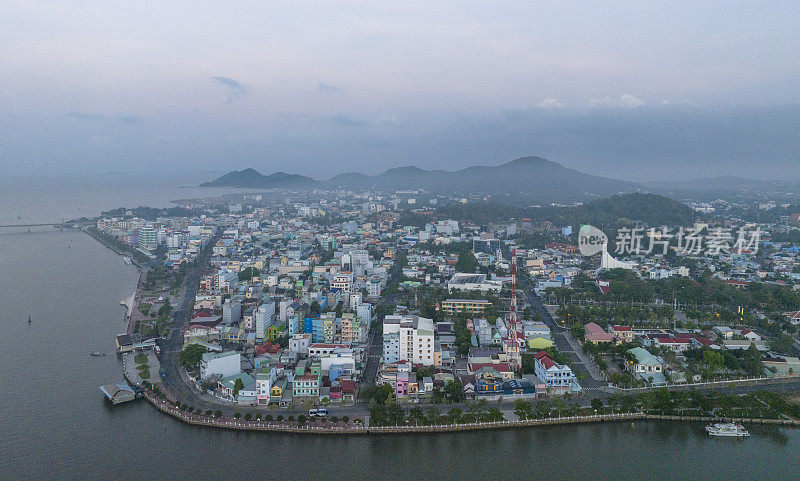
(532, 178)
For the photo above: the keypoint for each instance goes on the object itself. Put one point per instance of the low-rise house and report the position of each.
(793, 317)
(647, 366)
(623, 333)
(596, 335)
(744, 344)
(782, 365)
(500, 369)
(245, 395)
(306, 387)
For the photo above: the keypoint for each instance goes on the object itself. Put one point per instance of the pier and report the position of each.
(119, 393)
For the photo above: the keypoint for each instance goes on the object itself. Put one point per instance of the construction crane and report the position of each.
(512, 342)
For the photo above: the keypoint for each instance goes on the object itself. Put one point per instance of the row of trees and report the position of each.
(395, 415)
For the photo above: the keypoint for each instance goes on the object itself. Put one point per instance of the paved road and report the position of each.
(591, 379)
(375, 344)
(171, 347)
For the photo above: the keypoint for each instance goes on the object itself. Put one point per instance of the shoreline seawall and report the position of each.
(354, 429)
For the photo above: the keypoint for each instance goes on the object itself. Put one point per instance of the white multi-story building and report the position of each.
(264, 382)
(374, 287)
(299, 343)
(556, 376)
(408, 338)
(447, 227)
(148, 238)
(221, 364)
(263, 318)
(231, 312)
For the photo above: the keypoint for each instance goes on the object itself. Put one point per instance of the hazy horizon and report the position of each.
(625, 90)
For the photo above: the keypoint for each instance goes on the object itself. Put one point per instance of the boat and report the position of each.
(127, 260)
(97, 354)
(29, 319)
(727, 430)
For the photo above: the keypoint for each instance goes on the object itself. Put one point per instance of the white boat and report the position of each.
(127, 260)
(727, 430)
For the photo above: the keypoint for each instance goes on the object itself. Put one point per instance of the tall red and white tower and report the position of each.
(512, 340)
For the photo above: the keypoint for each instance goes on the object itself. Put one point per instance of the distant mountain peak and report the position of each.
(532, 177)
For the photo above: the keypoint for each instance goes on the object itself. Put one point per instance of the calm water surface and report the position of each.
(54, 423)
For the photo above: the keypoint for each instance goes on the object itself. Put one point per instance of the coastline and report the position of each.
(354, 429)
(166, 407)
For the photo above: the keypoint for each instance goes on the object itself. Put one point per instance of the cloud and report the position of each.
(550, 102)
(624, 100)
(91, 116)
(84, 115)
(235, 88)
(345, 120)
(667, 102)
(128, 119)
(324, 88)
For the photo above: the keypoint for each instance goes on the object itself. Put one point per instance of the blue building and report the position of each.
(338, 370)
(317, 330)
(293, 325)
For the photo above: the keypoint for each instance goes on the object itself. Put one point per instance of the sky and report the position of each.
(633, 90)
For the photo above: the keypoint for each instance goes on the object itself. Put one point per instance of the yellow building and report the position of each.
(468, 306)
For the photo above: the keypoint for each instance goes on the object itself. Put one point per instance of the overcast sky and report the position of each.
(632, 90)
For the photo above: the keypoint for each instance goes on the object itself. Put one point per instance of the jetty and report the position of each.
(119, 393)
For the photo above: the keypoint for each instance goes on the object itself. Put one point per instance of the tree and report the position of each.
(417, 414)
(466, 262)
(433, 416)
(191, 355)
(380, 394)
(378, 415)
(751, 361)
(454, 391)
(523, 409)
(238, 385)
(315, 308)
(597, 404)
(248, 273)
(578, 330)
(396, 415)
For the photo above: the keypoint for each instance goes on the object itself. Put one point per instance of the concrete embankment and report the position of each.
(293, 427)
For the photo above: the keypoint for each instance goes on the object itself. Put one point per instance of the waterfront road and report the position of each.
(181, 315)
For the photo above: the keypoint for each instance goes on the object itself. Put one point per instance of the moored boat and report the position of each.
(727, 430)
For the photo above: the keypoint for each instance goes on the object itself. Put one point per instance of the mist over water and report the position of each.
(45, 200)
